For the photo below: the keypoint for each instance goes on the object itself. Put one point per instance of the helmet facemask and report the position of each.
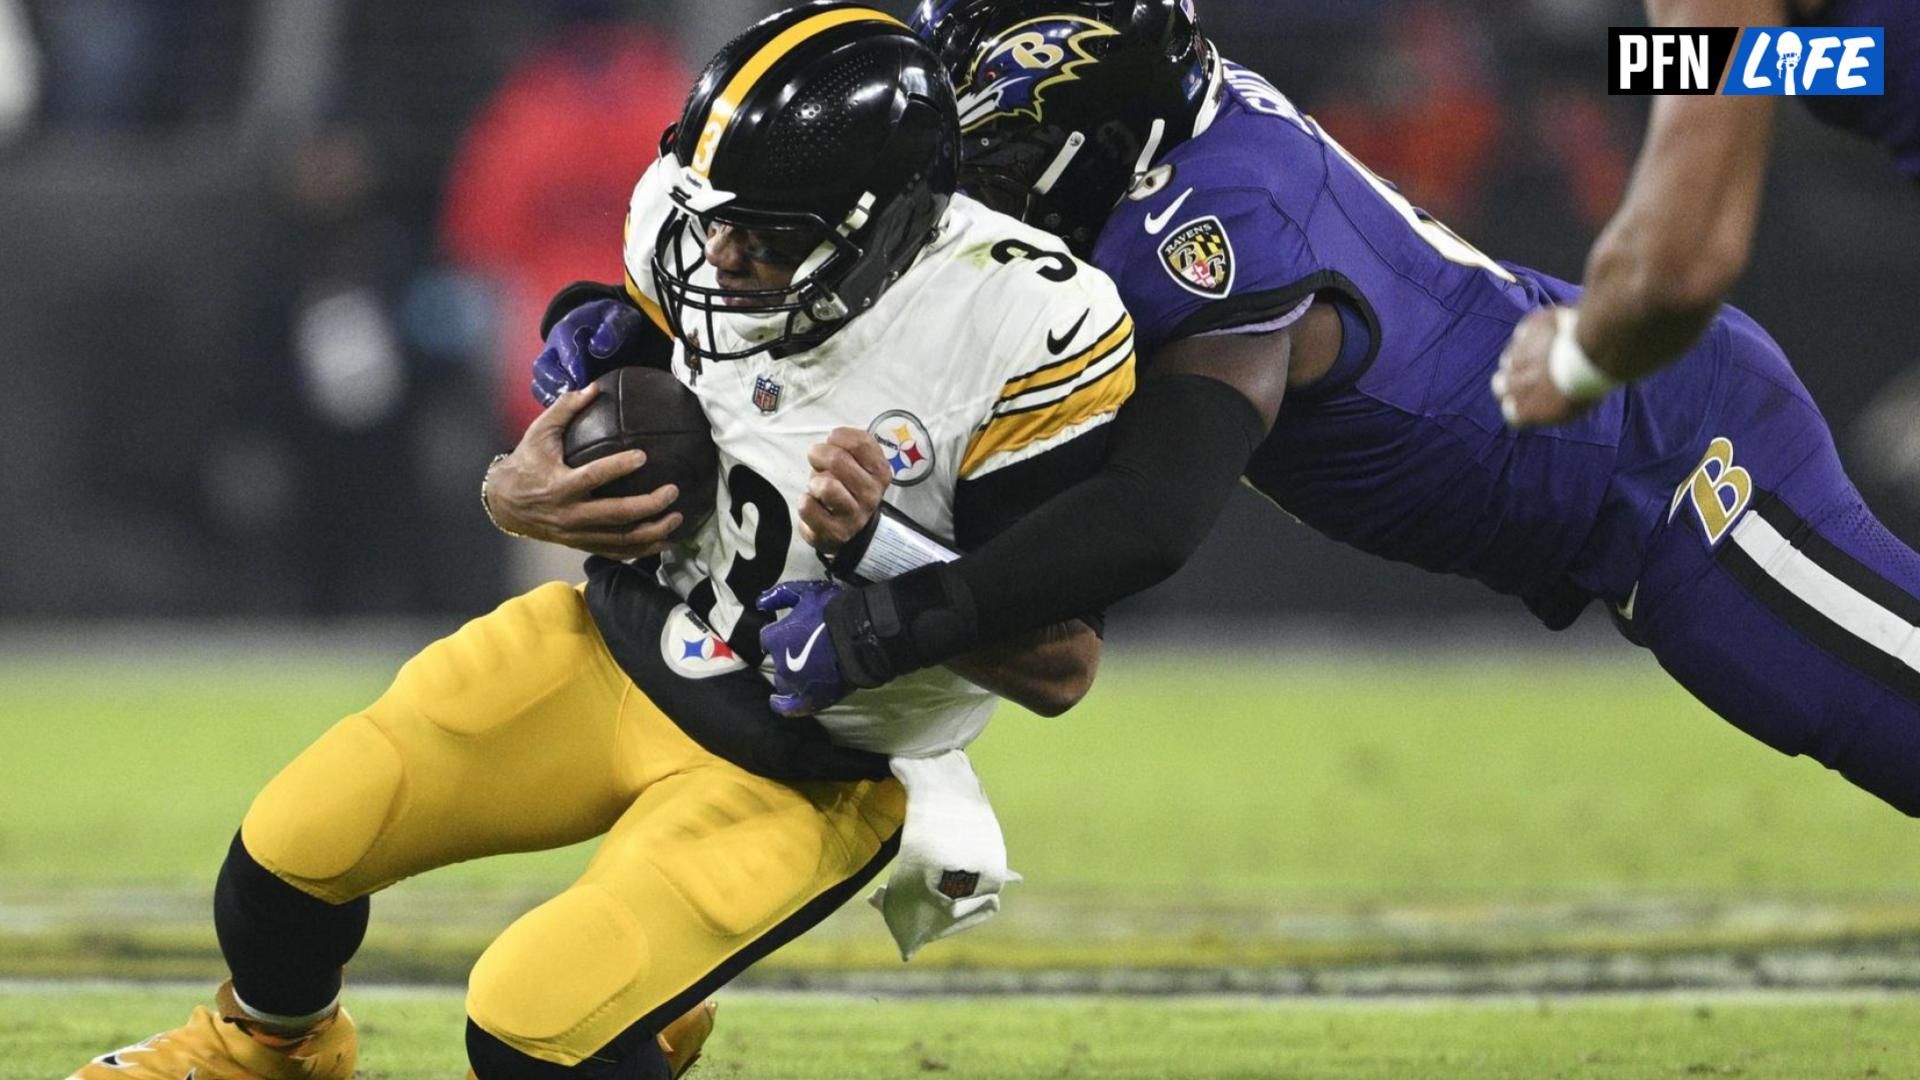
(720, 322)
(827, 134)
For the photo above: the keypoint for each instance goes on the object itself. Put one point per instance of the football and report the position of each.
(643, 408)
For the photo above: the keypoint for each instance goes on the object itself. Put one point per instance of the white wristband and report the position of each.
(1569, 366)
(898, 545)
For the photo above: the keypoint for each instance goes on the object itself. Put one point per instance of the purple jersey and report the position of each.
(1892, 119)
(1401, 450)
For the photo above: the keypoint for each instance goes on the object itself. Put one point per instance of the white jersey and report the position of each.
(994, 348)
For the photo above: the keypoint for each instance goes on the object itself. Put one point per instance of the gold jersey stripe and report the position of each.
(647, 306)
(1011, 434)
(634, 292)
(1066, 370)
(757, 66)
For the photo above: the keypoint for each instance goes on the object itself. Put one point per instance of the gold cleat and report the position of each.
(219, 1045)
(681, 1040)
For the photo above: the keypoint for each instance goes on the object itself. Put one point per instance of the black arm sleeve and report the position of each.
(1177, 449)
(987, 507)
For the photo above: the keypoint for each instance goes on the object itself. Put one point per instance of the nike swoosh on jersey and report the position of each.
(1157, 223)
(795, 663)
(1056, 345)
(1633, 598)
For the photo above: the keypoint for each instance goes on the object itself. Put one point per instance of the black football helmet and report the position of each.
(827, 129)
(1064, 104)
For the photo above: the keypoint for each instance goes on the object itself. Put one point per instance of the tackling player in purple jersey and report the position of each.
(1679, 241)
(1303, 325)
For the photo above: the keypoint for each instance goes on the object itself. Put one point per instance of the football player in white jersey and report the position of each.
(800, 259)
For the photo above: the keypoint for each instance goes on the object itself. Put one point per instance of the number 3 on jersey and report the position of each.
(747, 576)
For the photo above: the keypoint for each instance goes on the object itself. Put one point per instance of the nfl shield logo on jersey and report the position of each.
(766, 393)
(908, 447)
(1200, 257)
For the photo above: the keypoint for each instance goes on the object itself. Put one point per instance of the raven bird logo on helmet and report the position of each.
(1012, 80)
(827, 136)
(1068, 102)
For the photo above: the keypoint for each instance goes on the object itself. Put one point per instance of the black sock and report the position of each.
(284, 948)
(629, 1058)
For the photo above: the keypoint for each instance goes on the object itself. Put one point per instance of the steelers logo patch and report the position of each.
(1200, 258)
(694, 652)
(908, 447)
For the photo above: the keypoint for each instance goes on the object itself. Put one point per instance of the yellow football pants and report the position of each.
(519, 733)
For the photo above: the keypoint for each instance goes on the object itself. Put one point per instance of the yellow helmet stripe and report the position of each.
(756, 67)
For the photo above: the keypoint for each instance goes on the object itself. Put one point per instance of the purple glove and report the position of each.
(806, 672)
(581, 346)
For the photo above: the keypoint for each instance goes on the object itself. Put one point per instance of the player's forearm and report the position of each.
(1177, 453)
(1047, 671)
(1681, 237)
(1642, 309)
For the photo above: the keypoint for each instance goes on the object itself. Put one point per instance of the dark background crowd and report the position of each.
(272, 270)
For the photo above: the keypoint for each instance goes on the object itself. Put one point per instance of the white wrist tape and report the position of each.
(1569, 366)
(897, 546)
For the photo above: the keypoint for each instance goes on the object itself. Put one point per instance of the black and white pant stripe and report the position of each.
(1827, 595)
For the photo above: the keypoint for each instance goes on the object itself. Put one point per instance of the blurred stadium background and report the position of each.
(271, 267)
(270, 273)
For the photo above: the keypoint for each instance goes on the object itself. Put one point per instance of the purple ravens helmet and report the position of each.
(1064, 104)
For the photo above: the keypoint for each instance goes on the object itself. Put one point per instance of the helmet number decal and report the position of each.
(709, 142)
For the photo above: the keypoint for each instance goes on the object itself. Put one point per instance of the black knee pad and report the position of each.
(284, 948)
(635, 1058)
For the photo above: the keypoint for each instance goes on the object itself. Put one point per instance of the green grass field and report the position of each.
(1250, 814)
(413, 1035)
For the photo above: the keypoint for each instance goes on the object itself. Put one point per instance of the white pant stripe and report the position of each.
(1825, 593)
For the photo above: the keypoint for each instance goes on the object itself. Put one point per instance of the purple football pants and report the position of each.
(1769, 589)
